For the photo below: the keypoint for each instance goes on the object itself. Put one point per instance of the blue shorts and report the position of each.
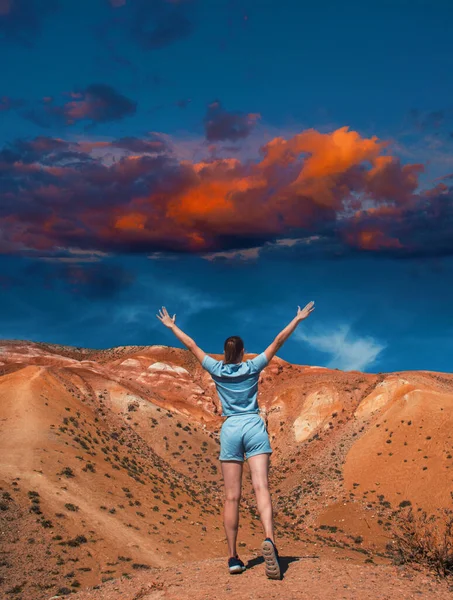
(243, 433)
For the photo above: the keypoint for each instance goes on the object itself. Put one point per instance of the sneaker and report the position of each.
(235, 565)
(271, 559)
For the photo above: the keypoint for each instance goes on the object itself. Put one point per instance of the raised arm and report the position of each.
(281, 338)
(169, 322)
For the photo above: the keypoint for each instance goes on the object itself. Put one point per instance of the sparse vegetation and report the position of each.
(67, 472)
(138, 566)
(17, 589)
(425, 539)
(188, 485)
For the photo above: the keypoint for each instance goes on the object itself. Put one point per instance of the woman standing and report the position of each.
(243, 432)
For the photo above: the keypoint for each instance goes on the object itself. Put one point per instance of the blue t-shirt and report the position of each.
(237, 384)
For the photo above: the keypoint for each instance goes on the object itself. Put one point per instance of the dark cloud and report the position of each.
(57, 195)
(21, 20)
(100, 103)
(107, 34)
(421, 228)
(392, 181)
(183, 103)
(47, 151)
(221, 124)
(154, 24)
(149, 24)
(43, 117)
(428, 120)
(437, 123)
(135, 144)
(97, 281)
(97, 103)
(159, 23)
(7, 103)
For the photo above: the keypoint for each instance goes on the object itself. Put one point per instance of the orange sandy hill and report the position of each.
(109, 462)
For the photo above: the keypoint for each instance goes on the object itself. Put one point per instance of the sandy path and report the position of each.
(305, 578)
(21, 428)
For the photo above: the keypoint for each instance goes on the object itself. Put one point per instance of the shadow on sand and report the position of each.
(284, 562)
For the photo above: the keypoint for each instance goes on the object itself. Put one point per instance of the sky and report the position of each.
(230, 160)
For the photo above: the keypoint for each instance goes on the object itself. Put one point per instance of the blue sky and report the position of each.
(230, 160)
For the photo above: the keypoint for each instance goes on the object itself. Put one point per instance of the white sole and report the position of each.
(235, 570)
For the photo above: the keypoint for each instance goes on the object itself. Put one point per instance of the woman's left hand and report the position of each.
(165, 318)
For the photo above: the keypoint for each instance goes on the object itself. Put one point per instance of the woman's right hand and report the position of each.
(303, 314)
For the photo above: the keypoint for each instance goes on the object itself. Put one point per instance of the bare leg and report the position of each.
(259, 468)
(232, 477)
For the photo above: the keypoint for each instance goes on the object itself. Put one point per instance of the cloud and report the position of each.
(97, 103)
(102, 278)
(221, 124)
(421, 228)
(7, 103)
(177, 298)
(21, 20)
(254, 253)
(75, 255)
(141, 146)
(348, 352)
(425, 121)
(183, 103)
(133, 314)
(97, 281)
(5, 7)
(155, 24)
(149, 24)
(249, 254)
(313, 194)
(243, 255)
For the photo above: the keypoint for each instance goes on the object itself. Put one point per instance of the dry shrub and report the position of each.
(425, 539)
(144, 591)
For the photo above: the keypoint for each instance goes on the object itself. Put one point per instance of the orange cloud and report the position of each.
(372, 240)
(388, 179)
(151, 202)
(227, 196)
(132, 221)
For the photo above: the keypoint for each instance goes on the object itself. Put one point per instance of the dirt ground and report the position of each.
(307, 575)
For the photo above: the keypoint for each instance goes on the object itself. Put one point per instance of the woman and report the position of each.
(243, 432)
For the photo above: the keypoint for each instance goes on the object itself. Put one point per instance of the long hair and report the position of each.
(233, 347)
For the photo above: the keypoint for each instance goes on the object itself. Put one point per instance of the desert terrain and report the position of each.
(110, 484)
